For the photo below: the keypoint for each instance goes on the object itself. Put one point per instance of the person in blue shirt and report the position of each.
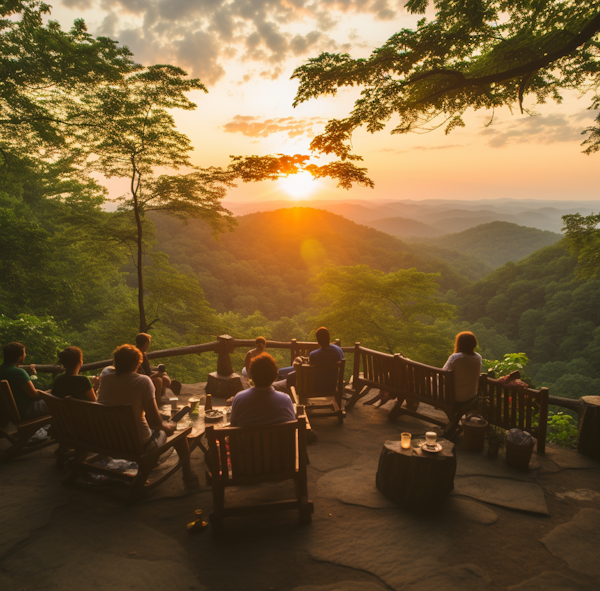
(326, 354)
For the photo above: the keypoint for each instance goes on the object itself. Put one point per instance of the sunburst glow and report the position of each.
(298, 186)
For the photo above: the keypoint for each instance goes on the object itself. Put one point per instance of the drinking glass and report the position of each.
(430, 438)
(405, 440)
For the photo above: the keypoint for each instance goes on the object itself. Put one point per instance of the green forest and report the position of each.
(171, 260)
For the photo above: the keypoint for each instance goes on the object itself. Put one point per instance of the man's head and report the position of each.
(323, 337)
(127, 359)
(142, 341)
(70, 357)
(263, 370)
(13, 352)
(261, 343)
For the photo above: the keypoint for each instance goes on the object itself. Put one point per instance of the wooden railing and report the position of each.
(223, 346)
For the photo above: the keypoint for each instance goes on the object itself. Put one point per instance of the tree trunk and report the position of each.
(589, 427)
(140, 272)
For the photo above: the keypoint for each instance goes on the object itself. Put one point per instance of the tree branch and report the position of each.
(526, 69)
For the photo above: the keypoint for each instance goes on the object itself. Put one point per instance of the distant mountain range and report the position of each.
(438, 217)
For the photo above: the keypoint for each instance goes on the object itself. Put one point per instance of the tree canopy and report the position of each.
(42, 71)
(393, 312)
(475, 54)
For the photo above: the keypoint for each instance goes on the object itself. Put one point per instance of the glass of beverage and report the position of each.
(430, 438)
(405, 440)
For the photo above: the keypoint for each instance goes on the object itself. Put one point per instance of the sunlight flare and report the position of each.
(298, 186)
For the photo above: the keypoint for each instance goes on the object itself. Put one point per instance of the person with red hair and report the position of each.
(466, 364)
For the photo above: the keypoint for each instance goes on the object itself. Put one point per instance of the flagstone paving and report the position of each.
(501, 528)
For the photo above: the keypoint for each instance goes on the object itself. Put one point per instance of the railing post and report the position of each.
(224, 368)
(224, 383)
(356, 368)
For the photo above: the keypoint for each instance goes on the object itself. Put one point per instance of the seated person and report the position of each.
(160, 379)
(27, 397)
(326, 354)
(122, 384)
(466, 364)
(261, 345)
(71, 383)
(261, 404)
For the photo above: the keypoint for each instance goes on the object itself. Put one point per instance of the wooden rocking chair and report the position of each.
(93, 428)
(252, 455)
(307, 378)
(9, 413)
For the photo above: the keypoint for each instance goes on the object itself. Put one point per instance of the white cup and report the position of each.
(430, 438)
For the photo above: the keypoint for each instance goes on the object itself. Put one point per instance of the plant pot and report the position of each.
(473, 435)
(517, 455)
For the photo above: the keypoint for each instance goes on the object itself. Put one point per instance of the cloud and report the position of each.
(201, 35)
(542, 129)
(255, 127)
(420, 148)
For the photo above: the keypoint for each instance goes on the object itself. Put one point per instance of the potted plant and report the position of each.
(496, 438)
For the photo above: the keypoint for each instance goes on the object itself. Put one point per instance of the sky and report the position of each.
(245, 51)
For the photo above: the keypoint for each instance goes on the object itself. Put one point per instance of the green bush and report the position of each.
(562, 429)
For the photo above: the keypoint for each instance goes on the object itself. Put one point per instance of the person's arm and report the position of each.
(90, 395)
(247, 361)
(153, 417)
(30, 390)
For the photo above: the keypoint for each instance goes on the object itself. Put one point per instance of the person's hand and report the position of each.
(229, 401)
(169, 428)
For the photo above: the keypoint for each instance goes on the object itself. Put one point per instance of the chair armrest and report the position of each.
(38, 422)
(294, 395)
(170, 442)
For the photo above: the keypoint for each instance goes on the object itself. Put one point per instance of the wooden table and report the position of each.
(414, 478)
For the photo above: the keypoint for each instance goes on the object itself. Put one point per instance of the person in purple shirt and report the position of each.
(261, 404)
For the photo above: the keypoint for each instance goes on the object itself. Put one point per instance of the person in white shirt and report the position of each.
(466, 364)
(122, 384)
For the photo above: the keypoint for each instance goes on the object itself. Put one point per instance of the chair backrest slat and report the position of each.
(257, 454)
(95, 425)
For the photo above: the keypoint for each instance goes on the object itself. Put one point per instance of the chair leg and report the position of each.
(358, 394)
(139, 484)
(397, 410)
(190, 479)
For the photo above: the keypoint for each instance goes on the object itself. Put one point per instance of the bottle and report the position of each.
(208, 402)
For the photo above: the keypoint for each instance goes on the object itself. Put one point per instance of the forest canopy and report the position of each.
(476, 54)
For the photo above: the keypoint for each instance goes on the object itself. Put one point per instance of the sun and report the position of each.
(298, 186)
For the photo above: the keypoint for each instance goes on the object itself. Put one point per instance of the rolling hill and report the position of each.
(266, 264)
(497, 243)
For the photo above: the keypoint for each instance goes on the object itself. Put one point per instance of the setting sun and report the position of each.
(298, 185)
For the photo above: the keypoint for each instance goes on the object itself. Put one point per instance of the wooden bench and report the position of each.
(252, 455)
(408, 381)
(93, 428)
(431, 385)
(9, 413)
(378, 372)
(509, 406)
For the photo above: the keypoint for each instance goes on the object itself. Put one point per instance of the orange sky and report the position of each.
(245, 51)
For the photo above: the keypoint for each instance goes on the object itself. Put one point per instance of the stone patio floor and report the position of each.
(502, 528)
